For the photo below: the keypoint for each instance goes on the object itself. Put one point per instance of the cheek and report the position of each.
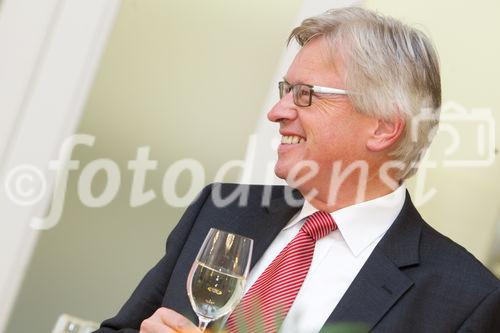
(335, 138)
(326, 144)
(324, 128)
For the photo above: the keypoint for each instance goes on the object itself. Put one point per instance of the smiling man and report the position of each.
(344, 243)
(308, 102)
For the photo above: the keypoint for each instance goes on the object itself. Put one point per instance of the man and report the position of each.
(346, 114)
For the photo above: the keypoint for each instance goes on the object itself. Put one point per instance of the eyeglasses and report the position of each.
(302, 93)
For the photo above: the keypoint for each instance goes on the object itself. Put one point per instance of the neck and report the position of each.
(349, 193)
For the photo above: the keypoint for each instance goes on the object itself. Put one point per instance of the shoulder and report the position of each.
(438, 256)
(228, 194)
(438, 250)
(449, 283)
(453, 268)
(253, 189)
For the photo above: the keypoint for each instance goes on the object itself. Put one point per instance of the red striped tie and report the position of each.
(265, 305)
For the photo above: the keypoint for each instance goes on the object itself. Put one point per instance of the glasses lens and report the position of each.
(302, 95)
(284, 88)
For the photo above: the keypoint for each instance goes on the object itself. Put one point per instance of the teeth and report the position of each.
(292, 139)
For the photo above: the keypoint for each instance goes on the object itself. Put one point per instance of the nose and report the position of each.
(283, 110)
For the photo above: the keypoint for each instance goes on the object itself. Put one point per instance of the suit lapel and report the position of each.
(380, 282)
(377, 287)
(264, 227)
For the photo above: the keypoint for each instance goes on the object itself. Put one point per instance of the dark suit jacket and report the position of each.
(415, 280)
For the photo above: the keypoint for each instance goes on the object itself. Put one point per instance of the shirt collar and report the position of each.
(363, 223)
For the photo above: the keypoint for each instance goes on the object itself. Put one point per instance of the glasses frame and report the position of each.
(295, 89)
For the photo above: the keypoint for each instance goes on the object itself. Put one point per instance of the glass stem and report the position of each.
(202, 323)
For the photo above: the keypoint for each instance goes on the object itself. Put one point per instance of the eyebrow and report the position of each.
(284, 79)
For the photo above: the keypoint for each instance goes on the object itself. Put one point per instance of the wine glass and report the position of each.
(216, 282)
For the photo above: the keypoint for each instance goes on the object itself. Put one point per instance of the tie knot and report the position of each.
(319, 225)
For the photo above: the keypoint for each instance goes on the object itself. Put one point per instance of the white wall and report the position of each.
(49, 51)
(186, 78)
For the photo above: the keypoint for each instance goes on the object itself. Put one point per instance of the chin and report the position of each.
(280, 172)
(283, 171)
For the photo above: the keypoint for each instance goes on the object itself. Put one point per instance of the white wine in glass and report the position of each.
(217, 278)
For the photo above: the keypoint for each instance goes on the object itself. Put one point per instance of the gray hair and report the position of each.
(392, 68)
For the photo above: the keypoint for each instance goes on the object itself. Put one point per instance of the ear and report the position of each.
(385, 134)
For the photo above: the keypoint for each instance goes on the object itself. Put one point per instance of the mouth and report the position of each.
(292, 139)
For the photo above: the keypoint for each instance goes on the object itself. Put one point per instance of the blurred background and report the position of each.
(193, 79)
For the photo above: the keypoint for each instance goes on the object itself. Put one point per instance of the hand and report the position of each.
(168, 321)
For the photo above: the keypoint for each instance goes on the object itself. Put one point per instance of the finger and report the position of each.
(152, 325)
(177, 321)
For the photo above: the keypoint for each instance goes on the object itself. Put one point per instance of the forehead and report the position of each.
(317, 64)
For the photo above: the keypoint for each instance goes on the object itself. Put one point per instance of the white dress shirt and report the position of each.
(338, 257)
